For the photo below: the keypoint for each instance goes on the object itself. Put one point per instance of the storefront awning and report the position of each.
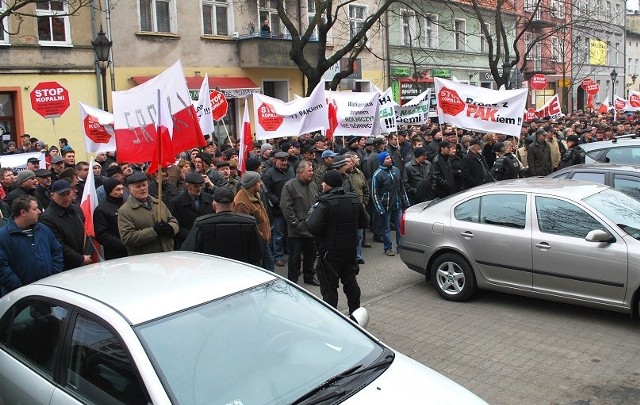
(232, 87)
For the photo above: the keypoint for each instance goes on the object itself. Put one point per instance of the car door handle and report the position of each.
(467, 234)
(543, 245)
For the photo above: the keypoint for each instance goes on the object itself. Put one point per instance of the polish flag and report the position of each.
(88, 204)
(333, 119)
(246, 140)
(163, 155)
(604, 106)
(135, 111)
(203, 107)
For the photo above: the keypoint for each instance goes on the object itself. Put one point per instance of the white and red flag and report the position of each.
(246, 140)
(135, 112)
(163, 154)
(88, 204)
(203, 107)
(97, 126)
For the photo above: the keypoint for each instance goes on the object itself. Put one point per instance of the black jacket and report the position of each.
(68, 227)
(43, 196)
(442, 176)
(572, 156)
(417, 181)
(274, 181)
(105, 224)
(183, 208)
(226, 234)
(474, 170)
(17, 192)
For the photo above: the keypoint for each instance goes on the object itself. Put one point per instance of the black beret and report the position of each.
(136, 177)
(223, 195)
(194, 178)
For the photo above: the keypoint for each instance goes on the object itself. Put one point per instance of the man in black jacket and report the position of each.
(225, 233)
(416, 177)
(474, 166)
(191, 204)
(334, 221)
(66, 221)
(105, 220)
(442, 176)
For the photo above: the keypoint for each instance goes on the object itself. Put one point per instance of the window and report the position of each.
(555, 49)
(157, 16)
(625, 155)
(564, 218)
(215, 20)
(484, 45)
(357, 16)
(598, 9)
(460, 27)
(608, 10)
(576, 8)
(33, 330)
(269, 12)
(4, 37)
(527, 45)
(617, 54)
(311, 14)
(589, 176)
(495, 209)
(409, 34)
(629, 185)
(99, 366)
(529, 5)
(53, 29)
(557, 8)
(431, 31)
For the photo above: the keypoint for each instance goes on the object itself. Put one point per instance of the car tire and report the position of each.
(453, 278)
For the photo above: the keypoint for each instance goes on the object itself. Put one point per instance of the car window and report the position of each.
(599, 155)
(593, 177)
(626, 154)
(33, 330)
(494, 209)
(468, 211)
(564, 218)
(99, 368)
(562, 175)
(629, 185)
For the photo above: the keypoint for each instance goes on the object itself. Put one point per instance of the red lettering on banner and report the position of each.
(483, 113)
(450, 102)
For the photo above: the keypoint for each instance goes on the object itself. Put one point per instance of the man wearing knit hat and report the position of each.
(105, 220)
(389, 199)
(249, 201)
(192, 203)
(341, 164)
(334, 221)
(25, 185)
(114, 172)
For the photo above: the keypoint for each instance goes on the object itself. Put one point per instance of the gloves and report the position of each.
(162, 228)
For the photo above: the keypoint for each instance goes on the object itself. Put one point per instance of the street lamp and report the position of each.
(102, 47)
(614, 75)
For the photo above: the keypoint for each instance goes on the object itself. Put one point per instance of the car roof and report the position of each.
(146, 287)
(609, 144)
(573, 189)
(604, 166)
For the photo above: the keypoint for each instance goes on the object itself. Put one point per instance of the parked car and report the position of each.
(564, 240)
(619, 150)
(188, 328)
(625, 178)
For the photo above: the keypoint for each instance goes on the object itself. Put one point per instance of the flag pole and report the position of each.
(225, 130)
(160, 162)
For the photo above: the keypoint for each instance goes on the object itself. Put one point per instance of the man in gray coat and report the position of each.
(298, 195)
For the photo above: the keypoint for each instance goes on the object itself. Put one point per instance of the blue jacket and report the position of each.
(22, 262)
(388, 191)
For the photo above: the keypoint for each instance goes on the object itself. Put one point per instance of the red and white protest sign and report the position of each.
(268, 120)
(530, 114)
(634, 99)
(586, 81)
(538, 82)
(592, 88)
(49, 99)
(98, 129)
(550, 109)
(219, 105)
(622, 104)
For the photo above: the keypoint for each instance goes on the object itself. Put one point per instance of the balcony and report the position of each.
(272, 51)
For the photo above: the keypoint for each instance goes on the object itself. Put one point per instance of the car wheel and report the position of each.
(453, 278)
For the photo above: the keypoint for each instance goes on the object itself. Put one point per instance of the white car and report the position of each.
(188, 328)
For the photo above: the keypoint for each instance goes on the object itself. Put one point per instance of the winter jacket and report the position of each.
(67, 224)
(474, 170)
(105, 224)
(388, 191)
(360, 185)
(442, 179)
(295, 203)
(417, 181)
(274, 181)
(539, 158)
(135, 223)
(251, 204)
(183, 208)
(24, 260)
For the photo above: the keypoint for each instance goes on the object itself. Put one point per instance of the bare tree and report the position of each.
(21, 10)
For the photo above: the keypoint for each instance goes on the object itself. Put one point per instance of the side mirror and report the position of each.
(361, 316)
(598, 235)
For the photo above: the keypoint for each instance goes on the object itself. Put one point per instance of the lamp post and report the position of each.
(102, 47)
(614, 75)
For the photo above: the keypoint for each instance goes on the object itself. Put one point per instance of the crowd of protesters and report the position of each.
(260, 216)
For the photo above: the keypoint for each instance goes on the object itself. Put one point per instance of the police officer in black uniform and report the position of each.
(506, 165)
(574, 155)
(334, 220)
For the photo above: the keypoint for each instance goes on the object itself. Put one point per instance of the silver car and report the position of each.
(620, 150)
(188, 328)
(563, 240)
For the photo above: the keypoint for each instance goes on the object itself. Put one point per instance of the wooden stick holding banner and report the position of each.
(159, 157)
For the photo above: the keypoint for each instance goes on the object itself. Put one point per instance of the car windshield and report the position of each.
(267, 345)
(619, 208)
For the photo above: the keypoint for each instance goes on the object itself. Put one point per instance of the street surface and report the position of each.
(506, 349)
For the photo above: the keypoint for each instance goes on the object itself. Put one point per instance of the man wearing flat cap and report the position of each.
(334, 221)
(574, 155)
(539, 155)
(142, 229)
(66, 221)
(191, 204)
(249, 201)
(225, 233)
(274, 179)
(475, 170)
(42, 192)
(416, 177)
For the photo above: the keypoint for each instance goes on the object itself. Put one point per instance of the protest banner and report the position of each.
(97, 126)
(358, 114)
(480, 109)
